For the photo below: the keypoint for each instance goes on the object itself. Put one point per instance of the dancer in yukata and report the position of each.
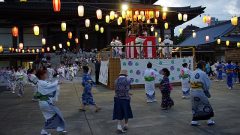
(19, 75)
(185, 76)
(32, 78)
(229, 72)
(47, 94)
(220, 68)
(149, 77)
(201, 108)
(87, 97)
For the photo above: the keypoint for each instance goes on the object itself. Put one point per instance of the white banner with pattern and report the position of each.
(103, 76)
(136, 68)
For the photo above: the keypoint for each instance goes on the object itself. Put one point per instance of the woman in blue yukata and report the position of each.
(87, 97)
(47, 94)
(166, 88)
(122, 108)
(201, 108)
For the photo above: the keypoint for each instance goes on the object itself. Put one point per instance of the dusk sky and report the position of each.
(221, 9)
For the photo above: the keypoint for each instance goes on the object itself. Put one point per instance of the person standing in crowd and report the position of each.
(238, 71)
(122, 108)
(229, 72)
(51, 72)
(165, 88)
(32, 78)
(87, 97)
(185, 76)
(149, 77)
(19, 75)
(201, 108)
(235, 73)
(208, 68)
(47, 93)
(220, 69)
(97, 70)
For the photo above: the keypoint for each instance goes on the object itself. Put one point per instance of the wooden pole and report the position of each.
(180, 52)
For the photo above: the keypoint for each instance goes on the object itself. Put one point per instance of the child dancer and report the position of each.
(87, 97)
(166, 88)
(185, 76)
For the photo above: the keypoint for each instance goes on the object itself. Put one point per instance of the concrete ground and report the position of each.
(21, 116)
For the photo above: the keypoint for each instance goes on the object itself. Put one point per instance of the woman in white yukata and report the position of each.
(185, 79)
(149, 77)
(47, 93)
(201, 108)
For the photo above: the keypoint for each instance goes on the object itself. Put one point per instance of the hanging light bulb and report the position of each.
(124, 7)
(99, 14)
(48, 49)
(60, 46)
(194, 34)
(166, 25)
(87, 23)
(42, 50)
(185, 17)
(207, 38)
(112, 15)
(234, 21)
(159, 39)
(63, 26)
(33, 50)
(36, 30)
(20, 46)
(15, 31)
(238, 44)
(43, 41)
(54, 47)
(148, 21)
(81, 10)
(70, 35)
(227, 43)
(101, 29)
(68, 44)
(219, 41)
(107, 18)
(1, 48)
(86, 36)
(156, 34)
(56, 5)
(23, 51)
(96, 27)
(76, 40)
(152, 28)
(180, 16)
(37, 50)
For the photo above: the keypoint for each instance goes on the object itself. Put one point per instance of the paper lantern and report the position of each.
(151, 14)
(180, 17)
(43, 50)
(101, 29)
(129, 14)
(81, 10)
(152, 28)
(164, 9)
(1, 48)
(180, 30)
(124, 7)
(70, 35)
(60, 46)
(119, 21)
(207, 38)
(194, 34)
(86, 36)
(143, 18)
(148, 21)
(116, 15)
(238, 44)
(36, 30)
(159, 39)
(23, 51)
(16, 50)
(227, 43)
(164, 16)
(157, 14)
(15, 31)
(234, 21)
(139, 17)
(68, 44)
(96, 27)
(219, 41)
(166, 25)
(99, 14)
(37, 50)
(107, 18)
(56, 5)
(10, 49)
(54, 48)
(156, 34)
(112, 15)
(155, 21)
(136, 12)
(134, 18)
(63, 26)
(185, 17)
(20, 46)
(87, 23)
(76, 40)
(48, 49)
(43, 41)
(123, 14)
(33, 50)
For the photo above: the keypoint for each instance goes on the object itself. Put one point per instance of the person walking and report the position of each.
(122, 108)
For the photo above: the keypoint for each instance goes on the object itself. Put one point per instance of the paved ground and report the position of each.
(21, 116)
